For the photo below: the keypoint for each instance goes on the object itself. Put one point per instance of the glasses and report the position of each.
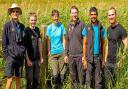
(15, 11)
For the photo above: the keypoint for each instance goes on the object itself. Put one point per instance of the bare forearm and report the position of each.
(125, 42)
(40, 48)
(84, 47)
(64, 41)
(105, 50)
(26, 53)
(48, 43)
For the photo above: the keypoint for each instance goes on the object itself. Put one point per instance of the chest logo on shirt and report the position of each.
(32, 37)
(89, 28)
(69, 29)
(12, 29)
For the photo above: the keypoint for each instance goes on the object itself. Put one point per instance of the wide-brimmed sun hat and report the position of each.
(14, 6)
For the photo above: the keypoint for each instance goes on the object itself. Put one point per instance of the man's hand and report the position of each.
(104, 61)
(66, 59)
(29, 63)
(84, 62)
(41, 61)
(49, 53)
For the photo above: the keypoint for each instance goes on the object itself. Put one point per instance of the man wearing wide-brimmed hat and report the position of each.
(13, 46)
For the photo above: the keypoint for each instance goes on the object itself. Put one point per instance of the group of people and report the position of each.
(22, 44)
(89, 51)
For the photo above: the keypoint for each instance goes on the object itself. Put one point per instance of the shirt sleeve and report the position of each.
(63, 30)
(5, 41)
(104, 33)
(123, 33)
(84, 32)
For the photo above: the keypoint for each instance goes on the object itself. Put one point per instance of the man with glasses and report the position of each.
(13, 46)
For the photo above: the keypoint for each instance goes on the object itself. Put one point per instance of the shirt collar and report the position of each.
(56, 25)
(75, 23)
(15, 24)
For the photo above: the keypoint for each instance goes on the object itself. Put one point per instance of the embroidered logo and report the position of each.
(12, 29)
(69, 29)
(89, 28)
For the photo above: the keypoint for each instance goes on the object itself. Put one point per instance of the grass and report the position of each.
(44, 7)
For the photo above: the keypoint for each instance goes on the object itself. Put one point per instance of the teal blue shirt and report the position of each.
(55, 34)
(96, 37)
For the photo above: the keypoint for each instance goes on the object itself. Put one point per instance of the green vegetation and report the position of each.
(44, 7)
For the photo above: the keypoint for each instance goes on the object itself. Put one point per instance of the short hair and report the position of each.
(74, 7)
(112, 8)
(32, 14)
(55, 12)
(93, 9)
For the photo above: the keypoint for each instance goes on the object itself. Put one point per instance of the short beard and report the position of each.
(93, 20)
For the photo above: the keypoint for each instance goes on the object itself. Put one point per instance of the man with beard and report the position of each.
(94, 36)
(116, 35)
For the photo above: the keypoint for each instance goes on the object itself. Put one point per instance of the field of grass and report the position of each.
(44, 7)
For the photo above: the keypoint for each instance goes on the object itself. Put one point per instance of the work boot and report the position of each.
(54, 82)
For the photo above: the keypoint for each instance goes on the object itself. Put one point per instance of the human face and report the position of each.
(74, 14)
(32, 21)
(55, 18)
(112, 16)
(15, 14)
(93, 17)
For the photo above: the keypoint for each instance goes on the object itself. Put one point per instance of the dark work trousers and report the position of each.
(94, 74)
(76, 72)
(109, 74)
(32, 75)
